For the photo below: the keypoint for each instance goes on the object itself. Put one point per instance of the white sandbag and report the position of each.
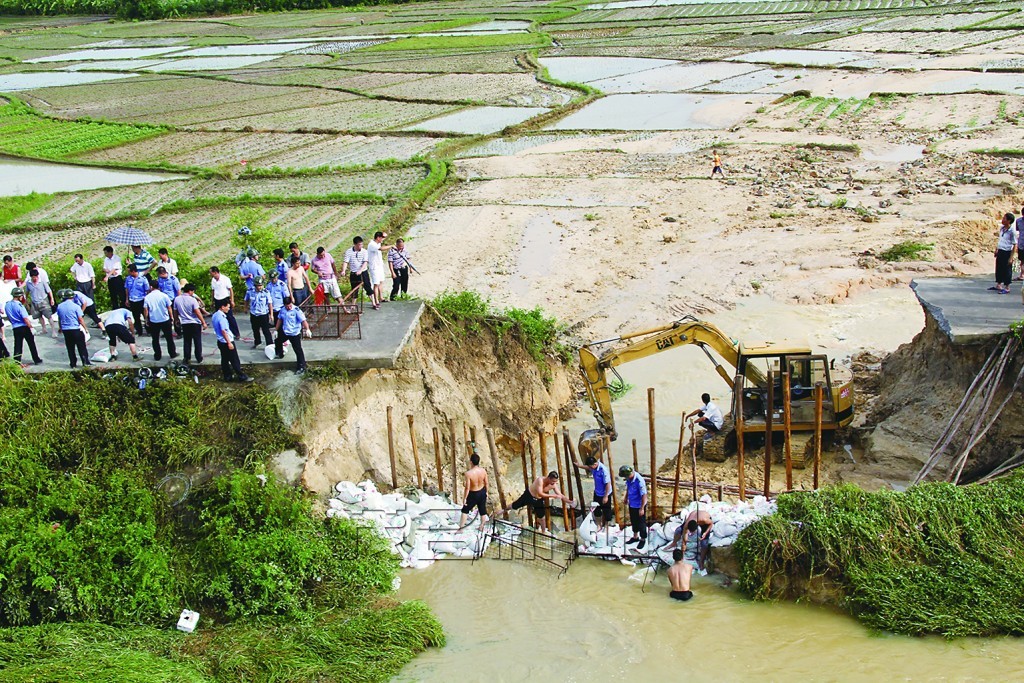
(101, 356)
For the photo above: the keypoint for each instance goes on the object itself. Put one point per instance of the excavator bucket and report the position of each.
(591, 443)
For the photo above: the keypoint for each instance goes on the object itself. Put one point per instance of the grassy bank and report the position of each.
(100, 552)
(935, 559)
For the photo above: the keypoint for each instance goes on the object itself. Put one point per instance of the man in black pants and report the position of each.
(475, 493)
(636, 501)
(229, 362)
(291, 325)
(21, 322)
(71, 325)
(261, 312)
(399, 263)
(112, 276)
(159, 313)
(189, 314)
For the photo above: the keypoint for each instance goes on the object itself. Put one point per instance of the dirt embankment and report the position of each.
(477, 379)
(920, 387)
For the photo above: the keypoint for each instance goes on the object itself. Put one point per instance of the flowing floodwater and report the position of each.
(510, 621)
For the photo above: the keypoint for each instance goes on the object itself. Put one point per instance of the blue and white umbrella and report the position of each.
(129, 235)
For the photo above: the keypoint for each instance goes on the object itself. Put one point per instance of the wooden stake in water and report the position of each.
(654, 454)
(415, 453)
(787, 422)
(613, 474)
(571, 450)
(636, 458)
(494, 465)
(455, 463)
(738, 421)
(693, 460)
(391, 449)
(527, 479)
(562, 483)
(818, 391)
(543, 447)
(568, 482)
(437, 458)
(679, 462)
(768, 434)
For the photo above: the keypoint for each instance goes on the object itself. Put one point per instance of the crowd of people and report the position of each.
(147, 297)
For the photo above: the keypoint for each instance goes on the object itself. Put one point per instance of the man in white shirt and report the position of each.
(43, 275)
(375, 266)
(113, 277)
(710, 415)
(163, 259)
(355, 264)
(220, 286)
(85, 276)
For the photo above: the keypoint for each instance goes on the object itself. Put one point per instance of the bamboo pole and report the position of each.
(611, 470)
(415, 453)
(561, 478)
(636, 459)
(391, 449)
(542, 446)
(738, 422)
(654, 452)
(466, 440)
(721, 492)
(787, 425)
(571, 450)
(768, 434)
(526, 475)
(494, 465)
(437, 457)
(679, 458)
(455, 466)
(569, 467)
(818, 391)
(693, 460)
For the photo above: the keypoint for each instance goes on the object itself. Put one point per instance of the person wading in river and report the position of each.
(475, 493)
(541, 489)
(682, 569)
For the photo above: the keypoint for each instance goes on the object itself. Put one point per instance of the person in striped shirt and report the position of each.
(144, 261)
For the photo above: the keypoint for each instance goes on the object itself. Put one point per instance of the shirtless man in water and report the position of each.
(542, 488)
(684, 562)
(475, 493)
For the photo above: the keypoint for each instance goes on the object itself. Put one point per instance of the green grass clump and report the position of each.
(13, 207)
(905, 251)
(936, 558)
(500, 40)
(618, 388)
(25, 132)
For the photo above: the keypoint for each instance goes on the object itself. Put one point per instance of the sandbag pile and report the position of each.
(422, 528)
(729, 520)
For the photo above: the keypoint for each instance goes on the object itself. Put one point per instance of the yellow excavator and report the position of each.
(750, 361)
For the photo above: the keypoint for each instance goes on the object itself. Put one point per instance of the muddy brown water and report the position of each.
(595, 624)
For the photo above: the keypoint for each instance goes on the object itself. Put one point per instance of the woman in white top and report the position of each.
(375, 266)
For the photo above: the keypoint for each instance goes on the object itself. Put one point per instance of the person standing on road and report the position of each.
(43, 276)
(189, 314)
(229, 363)
(292, 325)
(261, 314)
(602, 489)
(112, 276)
(21, 325)
(220, 286)
(119, 326)
(1004, 254)
(280, 264)
(41, 296)
(250, 270)
(299, 254)
(88, 308)
(277, 289)
(136, 288)
(72, 326)
(11, 272)
(158, 318)
(356, 266)
(164, 259)
(85, 276)
(375, 265)
(475, 492)
(636, 500)
(298, 282)
(710, 415)
(398, 262)
(326, 272)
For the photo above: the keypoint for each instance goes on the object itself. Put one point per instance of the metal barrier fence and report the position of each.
(335, 321)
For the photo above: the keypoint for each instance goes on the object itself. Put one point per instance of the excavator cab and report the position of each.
(806, 370)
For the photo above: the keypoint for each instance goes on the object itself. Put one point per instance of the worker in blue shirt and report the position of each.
(72, 324)
(278, 290)
(21, 323)
(291, 325)
(261, 313)
(229, 363)
(250, 271)
(159, 313)
(602, 489)
(636, 501)
(171, 286)
(136, 287)
(89, 308)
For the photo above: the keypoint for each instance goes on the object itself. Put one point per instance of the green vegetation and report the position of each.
(998, 152)
(833, 146)
(500, 40)
(13, 207)
(618, 388)
(446, 24)
(905, 251)
(25, 132)
(591, 217)
(101, 550)
(936, 558)
(838, 203)
(467, 313)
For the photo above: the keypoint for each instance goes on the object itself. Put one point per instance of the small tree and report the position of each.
(251, 228)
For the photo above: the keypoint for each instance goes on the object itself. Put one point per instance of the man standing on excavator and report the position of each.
(710, 417)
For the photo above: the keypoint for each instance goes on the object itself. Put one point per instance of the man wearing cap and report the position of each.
(261, 314)
(602, 489)
(119, 326)
(69, 315)
(88, 308)
(539, 490)
(636, 501)
(323, 266)
(291, 325)
(189, 314)
(136, 288)
(277, 289)
(229, 362)
(355, 264)
(85, 276)
(41, 298)
(157, 306)
(250, 271)
(21, 324)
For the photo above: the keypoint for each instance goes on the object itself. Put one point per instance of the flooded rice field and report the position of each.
(18, 177)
